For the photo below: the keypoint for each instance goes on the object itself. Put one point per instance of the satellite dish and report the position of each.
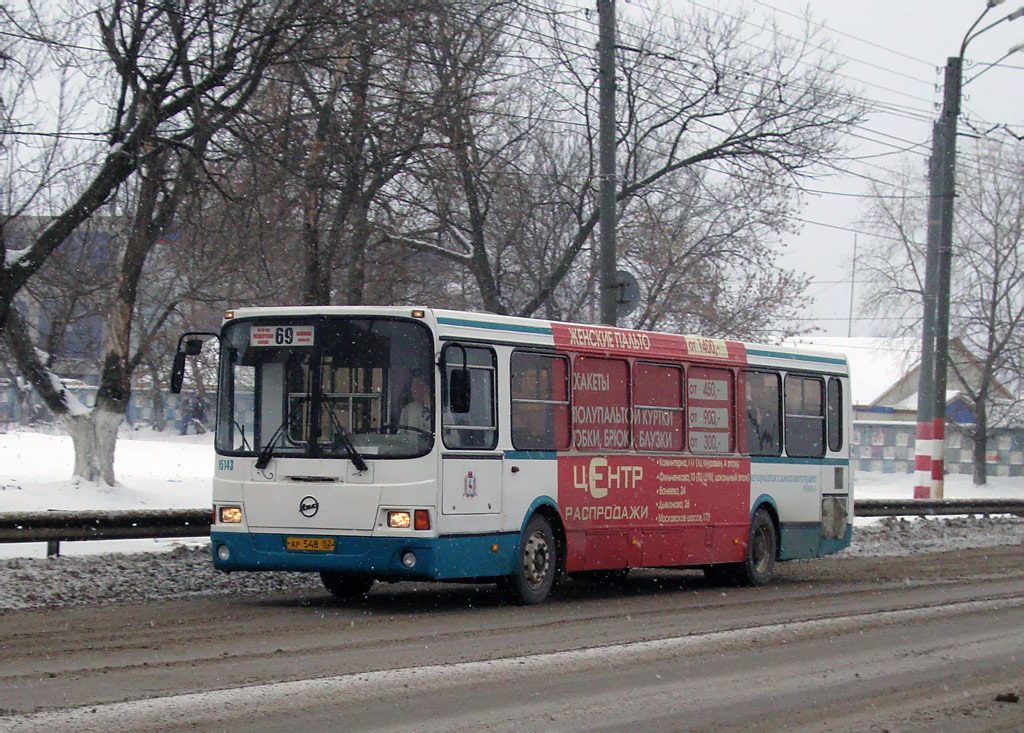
(627, 293)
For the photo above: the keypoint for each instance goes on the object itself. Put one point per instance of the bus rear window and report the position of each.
(835, 415)
(805, 418)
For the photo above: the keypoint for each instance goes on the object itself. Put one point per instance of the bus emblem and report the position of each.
(469, 488)
(309, 506)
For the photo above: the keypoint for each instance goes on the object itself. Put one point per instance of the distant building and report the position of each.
(884, 374)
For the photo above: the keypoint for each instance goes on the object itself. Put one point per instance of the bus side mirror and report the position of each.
(178, 372)
(459, 391)
(188, 345)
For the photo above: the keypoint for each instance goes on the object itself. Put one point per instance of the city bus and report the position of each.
(373, 444)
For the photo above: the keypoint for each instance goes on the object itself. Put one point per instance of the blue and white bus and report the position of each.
(386, 444)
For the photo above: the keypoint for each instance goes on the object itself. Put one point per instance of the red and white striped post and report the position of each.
(938, 456)
(923, 460)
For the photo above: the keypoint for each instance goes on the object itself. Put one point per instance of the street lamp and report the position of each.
(1012, 50)
(930, 442)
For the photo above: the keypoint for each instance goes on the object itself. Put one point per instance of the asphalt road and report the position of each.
(924, 642)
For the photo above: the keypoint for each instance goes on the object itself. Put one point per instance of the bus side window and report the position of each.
(600, 398)
(657, 407)
(805, 417)
(835, 415)
(762, 401)
(477, 428)
(540, 401)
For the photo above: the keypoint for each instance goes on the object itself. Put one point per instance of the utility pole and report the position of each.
(606, 157)
(926, 372)
(930, 443)
(950, 112)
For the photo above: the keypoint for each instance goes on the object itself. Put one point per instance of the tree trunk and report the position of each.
(94, 437)
(356, 285)
(980, 472)
(159, 411)
(317, 286)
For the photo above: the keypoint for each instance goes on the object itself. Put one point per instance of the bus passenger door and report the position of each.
(835, 484)
(471, 468)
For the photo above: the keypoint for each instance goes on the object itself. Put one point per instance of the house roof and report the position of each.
(876, 363)
(883, 371)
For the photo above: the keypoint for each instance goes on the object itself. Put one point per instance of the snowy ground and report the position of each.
(154, 471)
(158, 471)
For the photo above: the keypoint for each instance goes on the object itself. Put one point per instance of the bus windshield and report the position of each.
(324, 386)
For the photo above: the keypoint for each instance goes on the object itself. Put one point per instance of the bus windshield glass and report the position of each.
(325, 386)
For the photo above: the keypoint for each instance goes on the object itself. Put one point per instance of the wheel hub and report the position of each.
(759, 550)
(536, 560)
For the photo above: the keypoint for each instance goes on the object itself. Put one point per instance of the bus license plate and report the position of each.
(314, 544)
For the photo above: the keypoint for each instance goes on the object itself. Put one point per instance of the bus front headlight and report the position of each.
(399, 520)
(230, 515)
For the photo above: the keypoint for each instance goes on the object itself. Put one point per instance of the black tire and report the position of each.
(757, 568)
(536, 564)
(762, 547)
(345, 587)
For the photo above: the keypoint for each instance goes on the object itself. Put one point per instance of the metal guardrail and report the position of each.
(931, 507)
(54, 527)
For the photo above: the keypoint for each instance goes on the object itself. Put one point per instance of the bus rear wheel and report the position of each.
(757, 568)
(536, 564)
(345, 587)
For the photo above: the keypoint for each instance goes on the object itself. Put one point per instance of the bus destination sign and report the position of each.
(281, 336)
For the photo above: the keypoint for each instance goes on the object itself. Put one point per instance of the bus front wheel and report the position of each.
(536, 564)
(345, 587)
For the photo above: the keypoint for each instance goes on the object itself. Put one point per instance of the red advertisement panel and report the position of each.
(622, 342)
(657, 408)
(639, 497)
(600, 404)
(709, 410)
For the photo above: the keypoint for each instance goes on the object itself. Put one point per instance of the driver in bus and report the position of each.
(416, 413)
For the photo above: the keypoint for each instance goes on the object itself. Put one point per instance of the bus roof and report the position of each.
(579, 337)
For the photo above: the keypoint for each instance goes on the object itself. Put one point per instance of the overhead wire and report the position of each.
(583, 51)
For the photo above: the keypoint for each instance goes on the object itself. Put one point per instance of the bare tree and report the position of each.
(987, 288)
(179, 73)
(336, 124)
(708, 265)
(518, 128)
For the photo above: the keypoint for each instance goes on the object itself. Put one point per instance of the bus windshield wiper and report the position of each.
(268, 450)
(341, 437)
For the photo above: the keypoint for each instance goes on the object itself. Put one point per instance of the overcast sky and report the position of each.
(893, 51)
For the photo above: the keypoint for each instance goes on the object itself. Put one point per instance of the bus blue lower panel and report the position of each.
(804, 540)
(437, 558)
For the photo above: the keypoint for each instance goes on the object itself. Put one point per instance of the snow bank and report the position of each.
(161, 470)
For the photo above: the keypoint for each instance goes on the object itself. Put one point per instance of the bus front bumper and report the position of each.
(436, 558)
